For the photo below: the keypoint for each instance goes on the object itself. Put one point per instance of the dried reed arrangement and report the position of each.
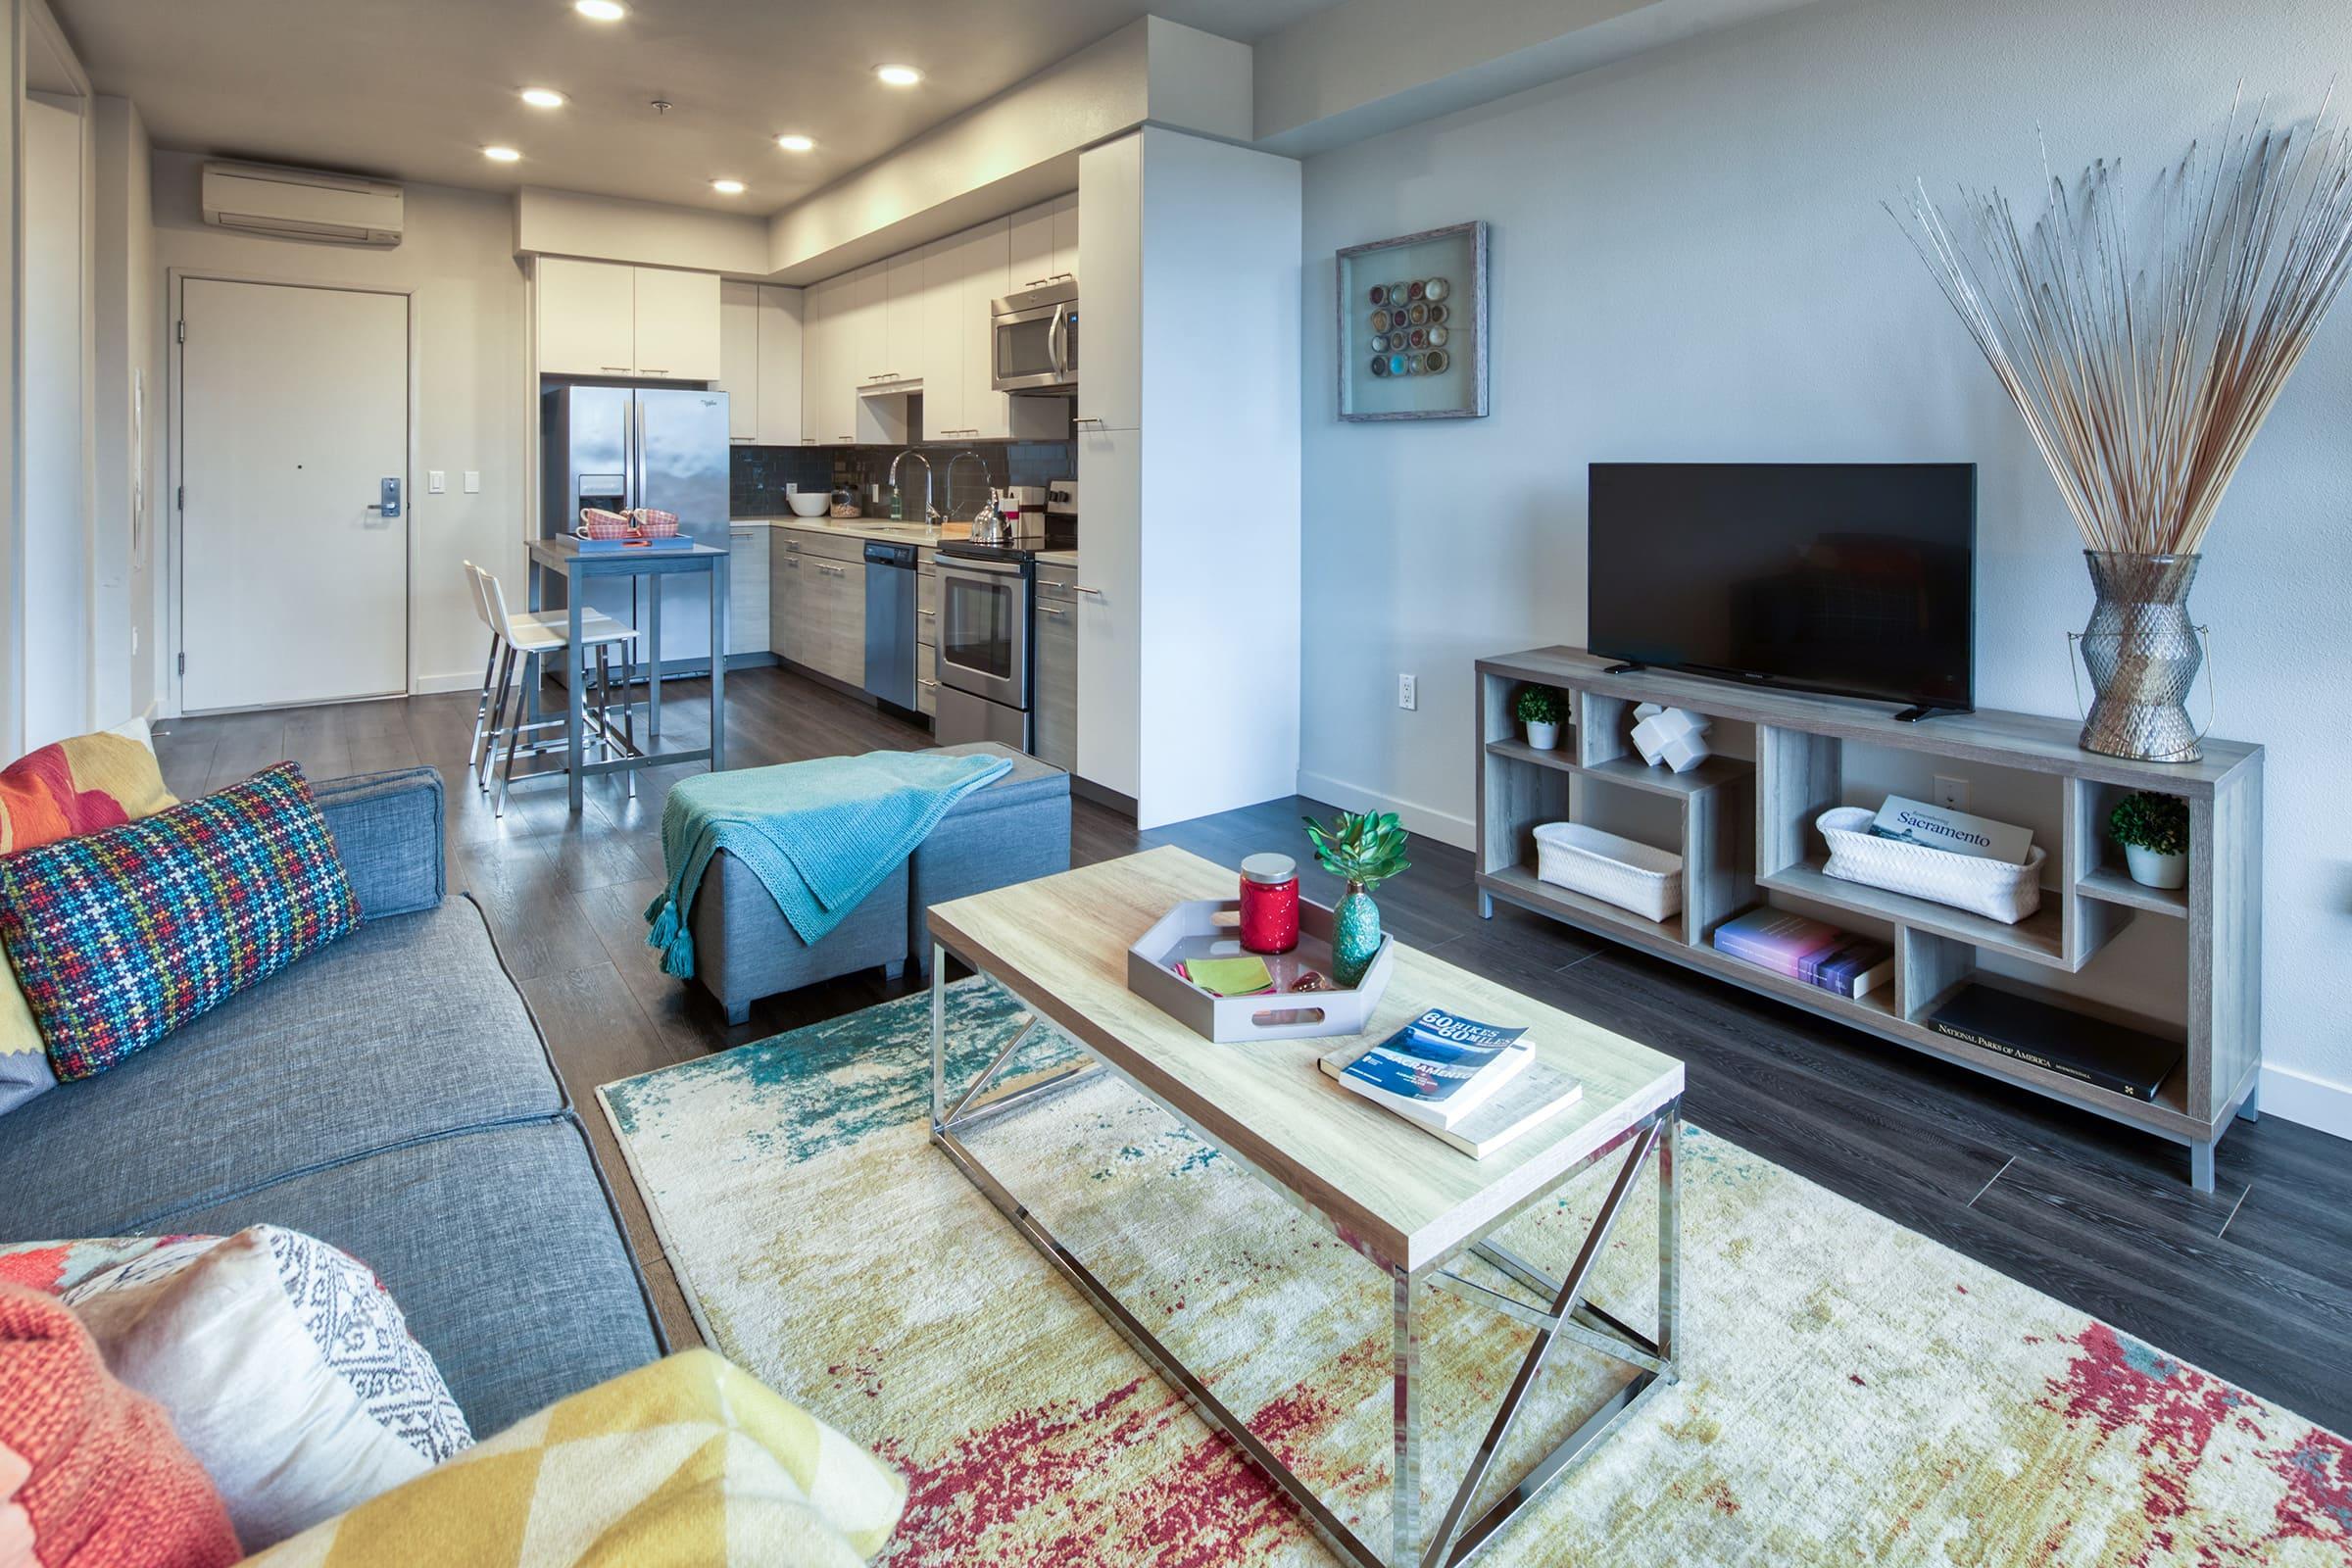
(2144, 380)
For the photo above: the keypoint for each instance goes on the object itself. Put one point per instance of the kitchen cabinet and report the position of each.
(902, 353)
(1054, 723)
(1110, 224)
(610, 319)
(819, 304)
(1108, 597)
(760, 363)
(785, 638)
(821, 589)
(1042, 243)
(739, 359)
(781, 338)
(677, 323)
(1065, 234)
(748, 588)
(946, 388)
(587, 318)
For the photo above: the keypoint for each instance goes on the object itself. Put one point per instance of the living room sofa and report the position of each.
(390, 1095)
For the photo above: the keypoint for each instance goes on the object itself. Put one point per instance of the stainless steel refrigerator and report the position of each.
(620, 446)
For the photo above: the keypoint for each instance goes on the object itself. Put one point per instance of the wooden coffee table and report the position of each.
(1405, 1200)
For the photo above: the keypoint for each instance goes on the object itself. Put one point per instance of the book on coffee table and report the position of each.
(1475, 1086)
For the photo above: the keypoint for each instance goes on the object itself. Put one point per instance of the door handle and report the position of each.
(387, 501)
(1055, 338)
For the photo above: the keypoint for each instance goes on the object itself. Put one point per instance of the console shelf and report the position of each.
(1747, 836)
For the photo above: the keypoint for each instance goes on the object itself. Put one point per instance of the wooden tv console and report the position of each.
(1748, 833)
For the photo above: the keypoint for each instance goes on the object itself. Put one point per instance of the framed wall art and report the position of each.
(1413, 326)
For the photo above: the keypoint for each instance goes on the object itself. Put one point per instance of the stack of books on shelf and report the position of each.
(1475, 1085)
(1811, 951)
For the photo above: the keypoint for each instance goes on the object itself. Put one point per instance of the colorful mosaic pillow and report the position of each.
(77, 785)
(120, 937)
(688, 1460)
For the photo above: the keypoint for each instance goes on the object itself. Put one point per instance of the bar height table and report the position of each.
(563, 558)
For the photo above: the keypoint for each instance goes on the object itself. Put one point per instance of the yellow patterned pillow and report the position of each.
(689, 1461)
(65, 789)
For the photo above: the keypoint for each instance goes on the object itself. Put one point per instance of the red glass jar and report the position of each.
(1269, 903)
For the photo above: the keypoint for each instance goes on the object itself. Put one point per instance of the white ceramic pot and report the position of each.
(2152, 870)
(1544, 737)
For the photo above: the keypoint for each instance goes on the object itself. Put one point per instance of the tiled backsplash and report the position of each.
(760, 473)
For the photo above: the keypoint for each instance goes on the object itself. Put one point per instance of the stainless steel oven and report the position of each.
(985, 608)
(1035, 338)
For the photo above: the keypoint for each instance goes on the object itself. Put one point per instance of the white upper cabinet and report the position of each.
(739, 359)
(587, 318)
(944, 339)
(1110, 223)
(903, 352)
(1065, 234)
(1030, 257)
(780, 346)
(677, 324)
(820, 303)
(607, 319)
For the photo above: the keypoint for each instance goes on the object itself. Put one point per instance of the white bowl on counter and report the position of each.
(809, 505)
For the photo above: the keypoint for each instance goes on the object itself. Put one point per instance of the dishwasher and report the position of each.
(891, 584)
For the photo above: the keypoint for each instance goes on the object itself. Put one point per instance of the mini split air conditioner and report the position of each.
(301, 204)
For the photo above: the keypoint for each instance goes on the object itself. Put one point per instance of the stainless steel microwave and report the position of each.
(1035, 338)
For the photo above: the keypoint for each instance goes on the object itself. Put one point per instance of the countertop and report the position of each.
(882, 529)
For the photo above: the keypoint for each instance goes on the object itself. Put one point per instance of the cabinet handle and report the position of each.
(1084, 589)
(919, 681)
(744, 440)
(1050, 610)
(652, 371)
(621, 369)
(1088, 418)
(794, 563)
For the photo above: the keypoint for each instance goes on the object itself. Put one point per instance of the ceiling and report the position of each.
(414, 89)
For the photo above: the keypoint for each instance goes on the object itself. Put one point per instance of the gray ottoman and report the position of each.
(744, 949)
(1015, 829)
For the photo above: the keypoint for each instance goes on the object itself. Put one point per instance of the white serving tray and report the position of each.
(1206, 928)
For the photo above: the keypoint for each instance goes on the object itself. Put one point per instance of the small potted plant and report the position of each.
(2153, 830)
(1362, 850)
(1540, 709)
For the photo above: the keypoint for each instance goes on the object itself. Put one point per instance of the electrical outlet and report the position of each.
(1408, 695)
(1952, 793)
(435, 481)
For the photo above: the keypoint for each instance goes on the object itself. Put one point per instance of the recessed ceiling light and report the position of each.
(795, 143)
(500, 155)
(543, 97)
(898, 75)
(727, 187)
(600, 10)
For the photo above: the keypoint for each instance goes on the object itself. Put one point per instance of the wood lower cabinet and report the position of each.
(749, 590)
(784, 620)
(1055, 720)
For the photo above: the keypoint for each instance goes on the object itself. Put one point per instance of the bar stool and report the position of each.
(530, 639)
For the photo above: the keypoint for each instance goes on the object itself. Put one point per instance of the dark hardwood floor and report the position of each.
(2253, 1282)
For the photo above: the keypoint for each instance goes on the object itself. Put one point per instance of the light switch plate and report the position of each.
(474, 481)
(435, 481)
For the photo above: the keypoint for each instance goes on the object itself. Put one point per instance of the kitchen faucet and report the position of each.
(928, 514)
(949, 484)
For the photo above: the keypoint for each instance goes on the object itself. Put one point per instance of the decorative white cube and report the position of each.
(1642, 711)
(1674, 737)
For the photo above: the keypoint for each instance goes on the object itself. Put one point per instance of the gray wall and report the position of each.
(1690, 262)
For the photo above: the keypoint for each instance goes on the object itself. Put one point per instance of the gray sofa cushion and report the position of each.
(1013, 829)
(500, 1247)
(407, 1028)
(387, 833)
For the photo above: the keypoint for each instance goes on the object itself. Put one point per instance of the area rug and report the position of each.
(1851, 1391)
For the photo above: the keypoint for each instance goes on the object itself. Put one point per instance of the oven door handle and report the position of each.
(994, 569)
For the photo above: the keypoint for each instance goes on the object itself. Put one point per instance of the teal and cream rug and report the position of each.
(1852, 1391)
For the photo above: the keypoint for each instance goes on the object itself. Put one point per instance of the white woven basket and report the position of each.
(1995, 889)
(1630, 875)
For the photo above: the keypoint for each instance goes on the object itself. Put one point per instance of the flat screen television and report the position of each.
(1857, 579)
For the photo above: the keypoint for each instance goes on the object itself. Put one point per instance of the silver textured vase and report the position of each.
(2143, 654)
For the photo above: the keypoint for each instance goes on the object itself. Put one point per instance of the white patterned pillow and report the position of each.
(286, 1368)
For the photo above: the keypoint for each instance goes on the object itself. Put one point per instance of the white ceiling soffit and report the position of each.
(1369, 67)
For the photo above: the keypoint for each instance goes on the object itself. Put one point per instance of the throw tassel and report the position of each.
(678, 960)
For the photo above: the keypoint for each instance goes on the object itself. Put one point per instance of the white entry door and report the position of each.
(294, 584)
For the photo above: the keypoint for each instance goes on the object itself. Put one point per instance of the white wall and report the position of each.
(129, 319)
(57, 534)
(1690, 262)
(469, 319)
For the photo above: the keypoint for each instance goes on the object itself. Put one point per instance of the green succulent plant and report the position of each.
(1362, 849)
(2157, 823)
(1540, 705)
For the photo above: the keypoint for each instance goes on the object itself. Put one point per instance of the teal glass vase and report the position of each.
(1354, 937)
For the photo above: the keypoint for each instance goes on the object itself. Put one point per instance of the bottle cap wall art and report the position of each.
(1412, 326)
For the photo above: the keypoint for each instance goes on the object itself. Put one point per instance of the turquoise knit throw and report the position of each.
(818, 835)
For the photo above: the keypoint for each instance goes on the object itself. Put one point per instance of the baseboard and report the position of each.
(429, 685)
(1444, 827)
(2301, 1097)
